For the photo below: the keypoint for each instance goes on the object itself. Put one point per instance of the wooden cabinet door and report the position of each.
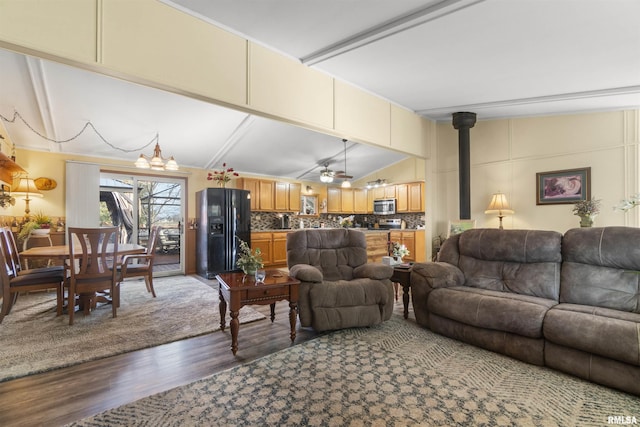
(295, 191)
(416, 197)
(264, 241)
(379, 193)
(266, 195)
(360, 201)
(408, 239)
(390, 192)
(281, 197)
(376, 246)
(280, 248)
(334, 200)
(254, 190)
(402, 197)
(347, 200)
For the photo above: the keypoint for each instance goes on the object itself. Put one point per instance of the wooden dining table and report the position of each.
(61, 253)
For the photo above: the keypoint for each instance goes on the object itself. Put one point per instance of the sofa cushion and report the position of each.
(526, 262)
(502, 311)
(601, 268)
(605, 332)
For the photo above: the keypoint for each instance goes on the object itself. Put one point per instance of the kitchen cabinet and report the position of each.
(264, 241)
(360, 205)
(287, 196)
(334, 200)
(279, 245)
(414, 240)
(261, 193)
(376, 245)
(347, 200)
(410, 197)
(346, 197)
(273, 246)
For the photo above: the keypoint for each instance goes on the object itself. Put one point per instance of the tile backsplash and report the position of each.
(272, 220)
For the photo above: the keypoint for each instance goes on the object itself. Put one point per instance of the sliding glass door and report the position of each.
(137, 203)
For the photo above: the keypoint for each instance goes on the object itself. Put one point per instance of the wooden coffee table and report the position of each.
(238, 289)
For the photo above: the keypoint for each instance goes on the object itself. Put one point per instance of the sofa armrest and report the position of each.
(376, 271)
(306, 273)
(425, 277)
(437, 275)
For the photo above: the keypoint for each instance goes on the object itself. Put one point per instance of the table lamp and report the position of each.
(25, 187)
(499, 205)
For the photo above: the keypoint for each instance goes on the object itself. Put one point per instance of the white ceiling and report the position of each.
(497, 58)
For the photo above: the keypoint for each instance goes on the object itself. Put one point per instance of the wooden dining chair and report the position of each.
(143, 266)
(93, 254)
(13, 254)
(12, 283)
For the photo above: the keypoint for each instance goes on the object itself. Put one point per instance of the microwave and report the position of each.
(384, 206)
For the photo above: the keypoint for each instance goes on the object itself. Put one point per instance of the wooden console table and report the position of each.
(238, 289)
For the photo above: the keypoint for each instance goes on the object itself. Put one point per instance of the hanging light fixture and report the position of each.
(377, 183)
(156, 161)
(346, 183)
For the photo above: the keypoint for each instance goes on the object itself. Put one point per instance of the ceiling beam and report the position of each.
(394, 26)
(43, 101)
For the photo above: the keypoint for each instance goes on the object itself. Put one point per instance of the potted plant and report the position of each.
(587, 210)
(38, 224)
(247, 261)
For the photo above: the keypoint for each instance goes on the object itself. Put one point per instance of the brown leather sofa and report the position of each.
(569, 302)
(338, 288)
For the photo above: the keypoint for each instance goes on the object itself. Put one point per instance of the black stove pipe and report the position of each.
(463, 122)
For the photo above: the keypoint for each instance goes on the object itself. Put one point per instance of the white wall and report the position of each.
(507, 154)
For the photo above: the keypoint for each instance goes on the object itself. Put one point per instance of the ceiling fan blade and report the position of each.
(342, 175)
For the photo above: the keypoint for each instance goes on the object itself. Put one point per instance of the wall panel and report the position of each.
(149, 39)
(280, 85)
(360, 115)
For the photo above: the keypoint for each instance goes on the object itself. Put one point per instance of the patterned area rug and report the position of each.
(33, 339)
(396, 374)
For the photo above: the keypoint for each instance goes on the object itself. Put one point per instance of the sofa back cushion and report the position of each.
(525, 262)
(602, 267)
(335, 252)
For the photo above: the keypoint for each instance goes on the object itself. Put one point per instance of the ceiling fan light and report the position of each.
(346, 184)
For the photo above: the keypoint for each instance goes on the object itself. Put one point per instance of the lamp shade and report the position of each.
(25, 187)
(499, 205)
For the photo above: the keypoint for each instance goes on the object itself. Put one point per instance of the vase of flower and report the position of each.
(249, 262)
(222, 176)
(587, 220)
(587, 210)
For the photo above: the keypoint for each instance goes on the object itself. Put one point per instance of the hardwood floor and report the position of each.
(65, 395)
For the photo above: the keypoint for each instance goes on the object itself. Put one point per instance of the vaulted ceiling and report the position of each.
(496, 58)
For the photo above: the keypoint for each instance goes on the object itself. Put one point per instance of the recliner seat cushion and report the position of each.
(500, 311)
(605, 332)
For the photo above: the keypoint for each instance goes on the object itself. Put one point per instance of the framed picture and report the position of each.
(563, 187)
(458, 226)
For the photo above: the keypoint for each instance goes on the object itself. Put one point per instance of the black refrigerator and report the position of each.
(223, 216)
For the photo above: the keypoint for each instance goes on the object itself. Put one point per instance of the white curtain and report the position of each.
(83, 194)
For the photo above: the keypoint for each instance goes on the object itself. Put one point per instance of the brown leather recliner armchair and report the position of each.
(338, 288)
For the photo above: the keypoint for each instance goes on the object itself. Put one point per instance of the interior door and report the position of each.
(137, 203)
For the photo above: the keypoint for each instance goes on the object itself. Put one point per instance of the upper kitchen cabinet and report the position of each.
(410, 197)
(287, 196)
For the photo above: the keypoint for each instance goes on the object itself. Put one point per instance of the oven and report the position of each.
(384, 206)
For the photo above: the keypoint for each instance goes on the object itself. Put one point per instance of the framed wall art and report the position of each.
(563, 186)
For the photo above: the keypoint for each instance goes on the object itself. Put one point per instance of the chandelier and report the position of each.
(156, 161)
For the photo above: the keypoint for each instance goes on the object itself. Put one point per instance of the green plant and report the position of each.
(247, 260)
(39, 220)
